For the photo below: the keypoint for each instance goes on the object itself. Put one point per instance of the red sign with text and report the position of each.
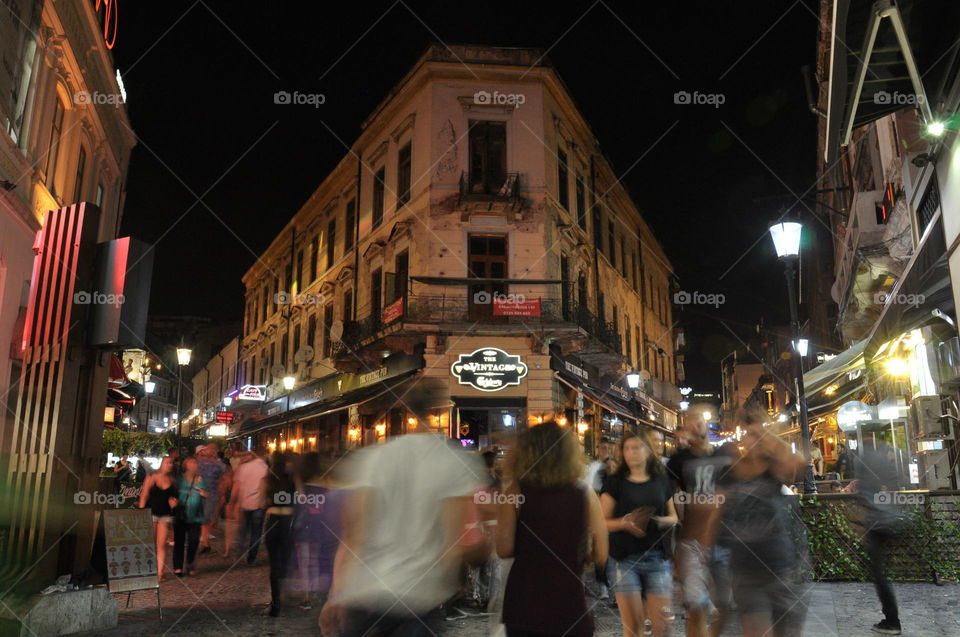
(226, 417)
(509, 307)
(393, 311)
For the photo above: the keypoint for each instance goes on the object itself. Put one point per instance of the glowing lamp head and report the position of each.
(633, 380)
(801, 345)
(936, 129)
(897, 367)
(149, 386)
(227, 401)
(183, 355)
(289, 382)
(786, 238)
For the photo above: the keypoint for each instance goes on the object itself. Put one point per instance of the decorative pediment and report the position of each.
(471, 104)
(345, 274)
(374, 249)
(327, 288)
(401, 228)
(404, 126)
(377, 154)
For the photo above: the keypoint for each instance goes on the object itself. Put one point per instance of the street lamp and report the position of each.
(633, 379)
(149, 387)
(227, 401)
(183, 359)
(289, 382)
(786, 240)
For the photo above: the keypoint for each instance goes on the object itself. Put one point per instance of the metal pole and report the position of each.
(179, 415)
(809, 485)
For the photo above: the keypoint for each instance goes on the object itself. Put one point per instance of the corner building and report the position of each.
(472, 264)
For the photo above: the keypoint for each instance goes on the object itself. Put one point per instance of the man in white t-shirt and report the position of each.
(399, 557)
(246, 497)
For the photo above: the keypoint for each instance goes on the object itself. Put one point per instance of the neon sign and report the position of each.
(110, 20)
(489, 369)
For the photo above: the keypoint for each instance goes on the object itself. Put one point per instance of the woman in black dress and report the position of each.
(159, 493)
(550, 522)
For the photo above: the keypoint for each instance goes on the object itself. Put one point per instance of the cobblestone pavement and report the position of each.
(231, 599)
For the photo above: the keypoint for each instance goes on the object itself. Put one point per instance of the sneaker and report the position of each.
(647, 627)
(887, 627)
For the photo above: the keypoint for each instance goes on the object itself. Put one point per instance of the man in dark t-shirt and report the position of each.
(698, 472)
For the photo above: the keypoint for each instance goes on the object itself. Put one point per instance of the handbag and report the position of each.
(180, 511)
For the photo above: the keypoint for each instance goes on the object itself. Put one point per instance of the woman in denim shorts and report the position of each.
(638, 505)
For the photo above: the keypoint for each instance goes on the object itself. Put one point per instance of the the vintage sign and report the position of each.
(506, 306)
(489, 369)
(393, 311)
(253, 392)
(131, 548)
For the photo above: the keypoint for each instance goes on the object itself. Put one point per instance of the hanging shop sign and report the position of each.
(508, 306)
(489, 369)
(227, 417)
(253, 392)
(392, 312)
(217, 430)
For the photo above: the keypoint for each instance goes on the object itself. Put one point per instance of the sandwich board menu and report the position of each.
(131, 550)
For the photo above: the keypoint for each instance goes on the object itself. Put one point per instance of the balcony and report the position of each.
(485, 194)
(415, 315)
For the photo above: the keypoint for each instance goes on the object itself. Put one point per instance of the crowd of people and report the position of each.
(391, 538)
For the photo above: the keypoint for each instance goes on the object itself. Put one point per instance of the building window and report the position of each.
(403, 175)
(314, 257)
(376, 293)
(403, 273)
(347, 305)
(301, 279)
(327, 324)
(581, 203)
(331, 245)
(582, 290)
(565, 290)
(56, 129)
(636, 334)
(563, 181)
(348, 228)
(623, 257)
(378, 187)
(597, 229)
(296, 340)
(81, 165)
(488, 156)
(312, 331)
(626, 337)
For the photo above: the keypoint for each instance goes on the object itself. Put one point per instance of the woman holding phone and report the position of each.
(637, 503)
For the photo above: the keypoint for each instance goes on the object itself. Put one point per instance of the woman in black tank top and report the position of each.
(159, 494)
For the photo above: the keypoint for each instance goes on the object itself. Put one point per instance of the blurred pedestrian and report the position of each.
(765, 535)
(248, 505)
(844, 465)
(279, 492)
(159, 494)
(697, 470)
(189, 516)
(551, 524)
(399, 557)
(637, 502)
(317, 527)
(212, 471)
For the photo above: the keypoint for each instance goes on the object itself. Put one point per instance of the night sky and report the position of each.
(200, 80)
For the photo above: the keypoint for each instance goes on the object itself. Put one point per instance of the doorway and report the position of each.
(487, 260)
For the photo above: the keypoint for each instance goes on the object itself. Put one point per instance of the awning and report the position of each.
(845, 370)
(609, 403)
(325, 407)
(886, 55)
(923, 288)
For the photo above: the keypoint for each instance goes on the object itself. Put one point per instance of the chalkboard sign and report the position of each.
(131, 550)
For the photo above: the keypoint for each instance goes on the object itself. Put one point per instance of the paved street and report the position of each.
(232, 601)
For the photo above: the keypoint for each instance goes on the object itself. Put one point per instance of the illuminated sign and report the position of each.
(488, 369)
(110, 20)
(253, 392)
(217, 430)
(108, 414)
(226, 417)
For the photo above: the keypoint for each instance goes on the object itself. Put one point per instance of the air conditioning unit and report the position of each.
(948, 361)
(932, 416)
